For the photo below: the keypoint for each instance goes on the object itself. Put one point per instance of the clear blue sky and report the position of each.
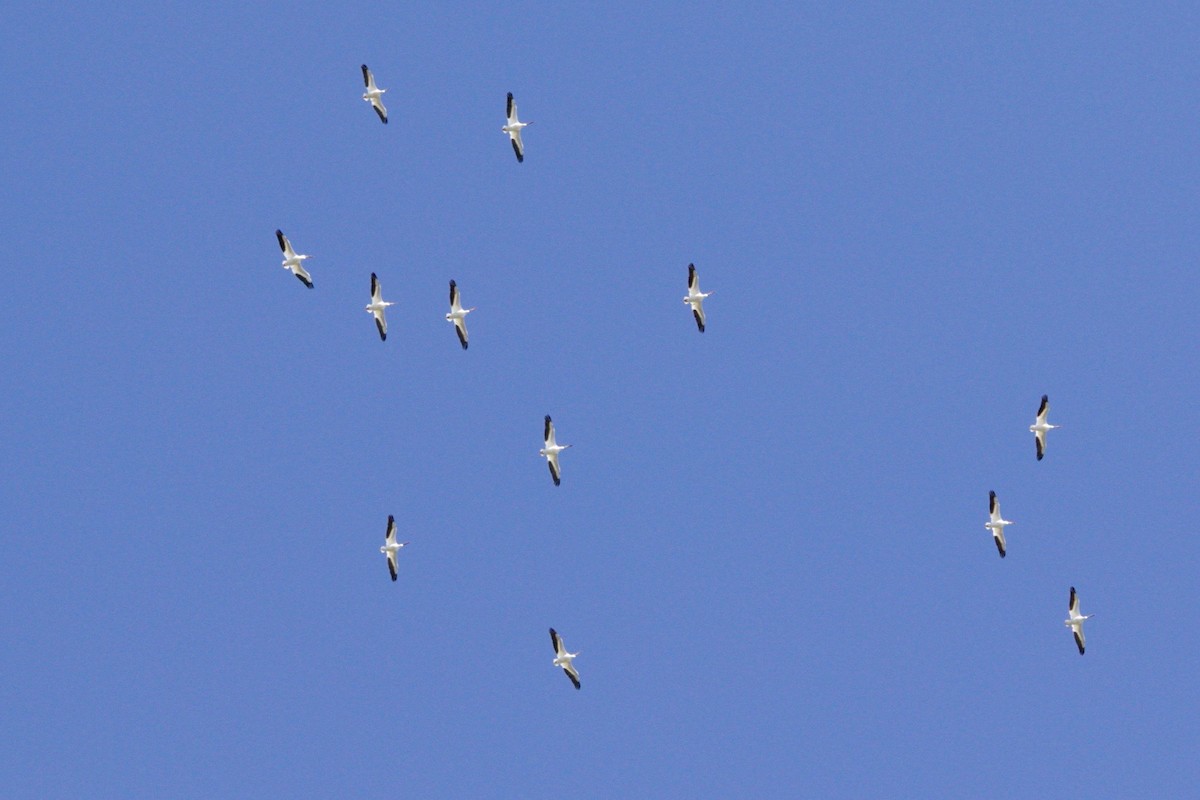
(768, 544)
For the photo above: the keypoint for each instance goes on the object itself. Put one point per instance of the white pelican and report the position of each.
(293, 260)
(1075, 621)
(1040, 426)
(551, 450)
(996, 523)
(458, 315)
(391, 547)
(513, 128)
(377, 306)
(695, 298)
(563, 659)
(373, 94)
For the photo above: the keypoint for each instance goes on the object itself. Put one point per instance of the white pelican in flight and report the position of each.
(391, 547)
(996, 523)
(377, 306)
(1075, 621)
(458, 315)
(563, 659)
(551, 450)
(695, 298)
(1040, 426)
(293, 260)
(373, 94)
(513, 128)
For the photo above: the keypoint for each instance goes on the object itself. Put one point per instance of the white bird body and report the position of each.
(695, 297)
(1041, 427)
(563, 659)
(996, 523)
(458, 315)
(391, 548)
(374, 94)
(513, 128)
(377, 305)
(292, 260)
(551, 449)
(1075, 620)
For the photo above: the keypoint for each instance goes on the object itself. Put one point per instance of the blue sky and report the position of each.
(768, 545)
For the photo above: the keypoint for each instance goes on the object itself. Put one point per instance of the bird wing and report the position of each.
(512, 109)
(998, 535)
(376, 290)
(454, 305)
(368, 78)
(1043, 409)
(572, 673)
(300, 272)
(552, 460)
(1040, 438)
(1073, 605)
(391, 557)
(554, 640)
(698, 313)
(390, 536)
(460, 327)
(1080, 641)
(549, 434)
(380, 108)
(284, 244)
(518, 146)
(381, 324)
(993, 506)
(693, 279)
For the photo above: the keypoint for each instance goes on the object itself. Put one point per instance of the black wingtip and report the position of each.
(306, 282)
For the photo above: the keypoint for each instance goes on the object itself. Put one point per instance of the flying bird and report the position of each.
(996, 523)
(293, 260)
(391, 547)
(377, 306)
(695, 298)
(1075, 621)
(564, 659)
(551, 450)
(513, 128)
(1040, 427)
(458, 315)
(373, 94)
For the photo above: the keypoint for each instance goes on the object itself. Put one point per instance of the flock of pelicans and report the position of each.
(551, 449)
(997, 523)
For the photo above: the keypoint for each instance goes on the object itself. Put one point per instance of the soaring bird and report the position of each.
(458, 315)
(695, 298)
(1074, 620)
(391, 548)
(996, 523)
(293, 260)
(377, 306)
(564, 659)
(373, 94)
(551, 450)
(1040, 427)
(513, 128)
